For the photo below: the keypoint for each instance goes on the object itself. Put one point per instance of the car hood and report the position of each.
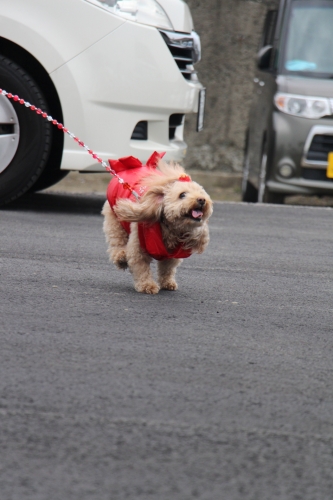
(305, 86)
(179, 14)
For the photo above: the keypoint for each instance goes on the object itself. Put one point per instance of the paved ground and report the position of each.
(220, 391)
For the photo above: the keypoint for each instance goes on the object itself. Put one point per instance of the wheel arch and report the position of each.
(264, 195)
(249, 191)
(264, 140)
(269, 138)
(33, 67)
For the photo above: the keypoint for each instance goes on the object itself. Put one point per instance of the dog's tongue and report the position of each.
(196, 214)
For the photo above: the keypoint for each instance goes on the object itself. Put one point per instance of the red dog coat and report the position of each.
(150, 235)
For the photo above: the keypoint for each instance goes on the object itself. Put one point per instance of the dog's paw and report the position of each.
(120, 260)
(150, 288)
(169, 285)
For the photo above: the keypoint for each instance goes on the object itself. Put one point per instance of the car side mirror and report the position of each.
(264, 57)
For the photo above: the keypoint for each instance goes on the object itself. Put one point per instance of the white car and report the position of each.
(117, 73)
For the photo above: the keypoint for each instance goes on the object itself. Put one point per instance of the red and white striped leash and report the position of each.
(60, 126)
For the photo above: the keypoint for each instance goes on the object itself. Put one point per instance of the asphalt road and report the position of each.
(222, 390)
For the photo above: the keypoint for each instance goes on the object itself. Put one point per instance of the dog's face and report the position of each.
(170, 197)
(186, 204)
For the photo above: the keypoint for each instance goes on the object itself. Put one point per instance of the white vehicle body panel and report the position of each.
(109, 74)
(54, 31)
(179, 14)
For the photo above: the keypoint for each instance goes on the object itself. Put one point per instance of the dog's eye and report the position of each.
(182, 195)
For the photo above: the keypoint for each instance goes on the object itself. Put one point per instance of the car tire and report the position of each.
(25, 136)
(264, 195)
(48, 178)
(249, 192)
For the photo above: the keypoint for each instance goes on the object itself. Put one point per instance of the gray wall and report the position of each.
(230, 31)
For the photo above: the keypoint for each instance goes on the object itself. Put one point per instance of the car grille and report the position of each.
(185, 51)
(320, 146)
(315, 174)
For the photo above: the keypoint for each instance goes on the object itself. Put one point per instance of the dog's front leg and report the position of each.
(166, 273)
(139, 264)
(115, 236)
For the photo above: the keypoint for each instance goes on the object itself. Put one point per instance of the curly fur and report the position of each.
(170, 202)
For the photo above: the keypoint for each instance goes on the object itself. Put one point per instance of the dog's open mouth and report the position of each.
(195, 215)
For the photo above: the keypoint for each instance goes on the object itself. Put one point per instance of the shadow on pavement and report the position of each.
(89, 204)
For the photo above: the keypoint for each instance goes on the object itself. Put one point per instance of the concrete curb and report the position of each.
(220, 186)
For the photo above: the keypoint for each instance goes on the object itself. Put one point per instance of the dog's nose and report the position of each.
(201, 201)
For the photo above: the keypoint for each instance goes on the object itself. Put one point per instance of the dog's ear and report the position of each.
(148, 209)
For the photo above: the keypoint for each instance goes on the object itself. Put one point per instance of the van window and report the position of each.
(308, 49)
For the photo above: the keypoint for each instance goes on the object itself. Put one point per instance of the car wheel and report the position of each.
(249, 192)
(25, 138)
(264, 195)
(48, 178)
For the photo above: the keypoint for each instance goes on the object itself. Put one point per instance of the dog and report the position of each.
(167, 223)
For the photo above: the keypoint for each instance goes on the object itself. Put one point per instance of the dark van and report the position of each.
(289, 141)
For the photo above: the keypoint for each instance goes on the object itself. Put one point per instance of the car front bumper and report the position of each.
(293, 144)
(127, 77)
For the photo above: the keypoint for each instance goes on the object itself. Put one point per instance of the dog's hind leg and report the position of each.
(139, 264)
(166, 273)
(116, 237)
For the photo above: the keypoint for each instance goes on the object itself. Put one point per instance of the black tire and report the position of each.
(249, 192)
(48, 178)
(264, 195)
(275, 198)
(34, 142)
(52, 173)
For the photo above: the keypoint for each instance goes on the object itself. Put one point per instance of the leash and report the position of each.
(60, 126)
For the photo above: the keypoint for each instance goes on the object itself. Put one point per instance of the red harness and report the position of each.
(150, 235)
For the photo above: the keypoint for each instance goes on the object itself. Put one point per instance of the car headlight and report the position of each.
(141, 11)
(303, 106)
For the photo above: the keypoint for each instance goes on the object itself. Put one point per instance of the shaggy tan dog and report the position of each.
(173, 209)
